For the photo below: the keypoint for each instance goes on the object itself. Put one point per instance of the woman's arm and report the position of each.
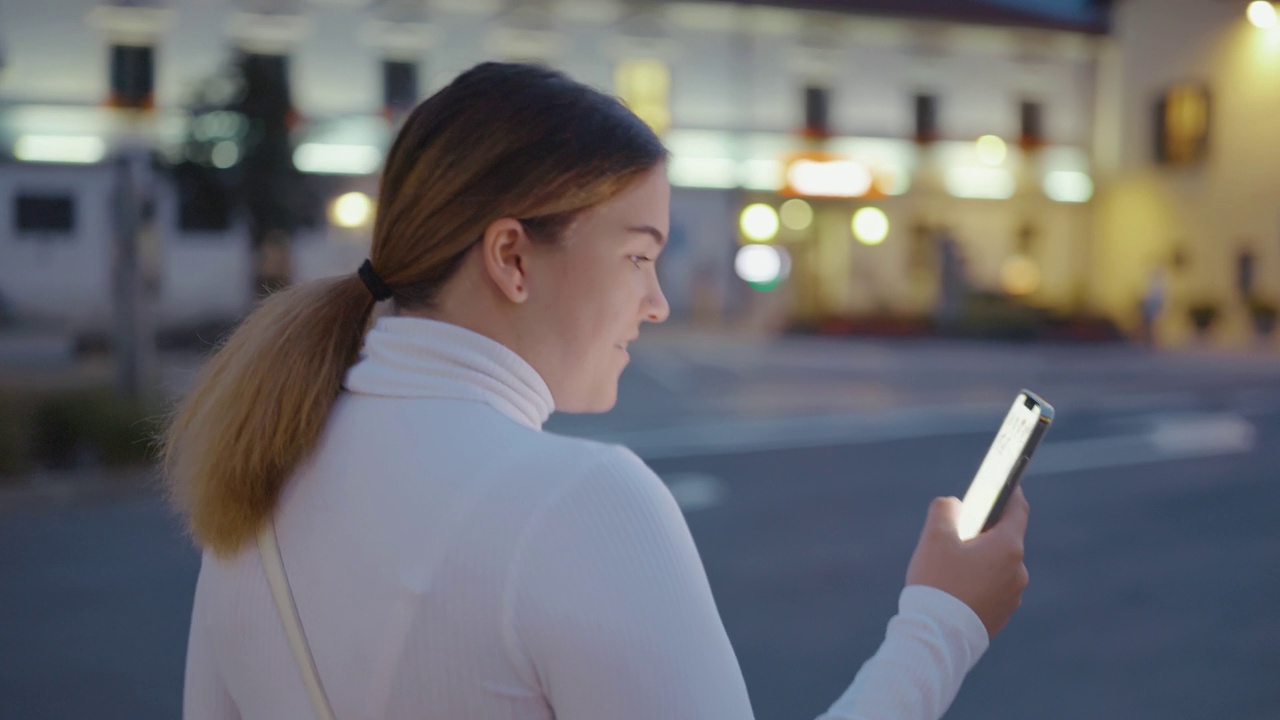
(929, 646)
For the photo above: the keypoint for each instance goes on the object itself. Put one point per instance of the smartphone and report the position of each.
(1019, 436)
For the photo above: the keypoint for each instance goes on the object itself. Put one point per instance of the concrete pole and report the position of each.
(135, 273)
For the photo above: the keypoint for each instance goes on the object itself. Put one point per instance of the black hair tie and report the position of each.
(377, 288)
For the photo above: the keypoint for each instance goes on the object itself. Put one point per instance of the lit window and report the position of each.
(1182, 125)
(645, 86)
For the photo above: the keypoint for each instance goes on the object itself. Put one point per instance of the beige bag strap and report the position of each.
(273, 564)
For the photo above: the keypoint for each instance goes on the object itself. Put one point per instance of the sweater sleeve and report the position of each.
(930, 645)
(610, 607)
(204, 695)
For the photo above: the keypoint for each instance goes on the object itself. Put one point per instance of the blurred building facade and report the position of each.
(883, 147)
(1189, 167)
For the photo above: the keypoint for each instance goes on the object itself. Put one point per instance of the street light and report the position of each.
(1263, 14)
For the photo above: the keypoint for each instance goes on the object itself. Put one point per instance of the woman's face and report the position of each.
(592, 290)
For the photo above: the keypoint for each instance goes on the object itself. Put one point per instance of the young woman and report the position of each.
(447, 558)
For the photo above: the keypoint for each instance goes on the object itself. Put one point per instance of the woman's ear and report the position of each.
(505, 249)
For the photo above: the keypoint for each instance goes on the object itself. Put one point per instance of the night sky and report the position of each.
(1067, 8)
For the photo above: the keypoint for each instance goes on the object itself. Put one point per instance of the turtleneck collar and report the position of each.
(411, 357)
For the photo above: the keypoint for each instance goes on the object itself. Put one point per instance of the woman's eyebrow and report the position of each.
(650, 230)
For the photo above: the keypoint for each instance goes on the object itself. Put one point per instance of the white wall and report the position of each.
(55, 278)
(66, 281)
(733, 68)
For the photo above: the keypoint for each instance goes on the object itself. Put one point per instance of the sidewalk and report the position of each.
(67, 488)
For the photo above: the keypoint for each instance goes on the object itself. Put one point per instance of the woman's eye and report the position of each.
(637, 259)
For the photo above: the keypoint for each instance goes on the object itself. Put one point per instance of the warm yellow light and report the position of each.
(1069, 186)
(1020, 275)
(829, 178)
(980, 183)
(797, 214)
(351, 210)
(892, 180)
(870, 226)
(992, 150)
(759, 222)
(1263, 14)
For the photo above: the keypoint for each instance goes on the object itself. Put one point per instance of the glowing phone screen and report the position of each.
(994, 471)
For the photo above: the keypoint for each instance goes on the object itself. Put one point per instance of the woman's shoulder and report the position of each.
(577, 458)
(602, 476)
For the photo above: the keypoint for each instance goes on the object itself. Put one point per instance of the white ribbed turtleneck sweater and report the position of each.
(450, 560)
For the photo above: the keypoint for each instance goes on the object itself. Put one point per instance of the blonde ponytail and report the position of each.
(258, 407)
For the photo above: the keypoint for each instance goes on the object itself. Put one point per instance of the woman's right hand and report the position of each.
(985, 573)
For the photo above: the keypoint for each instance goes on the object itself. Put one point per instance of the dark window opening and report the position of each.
(399, 85)
(926, 118)
(1032, 122)
(817, 103)
(44, 214)
(132, 76)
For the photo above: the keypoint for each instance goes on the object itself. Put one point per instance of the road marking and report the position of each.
(1145, 402)
(695, 491)
(755, 435)
(1173, 437)
(673, 376)
(1161, 437)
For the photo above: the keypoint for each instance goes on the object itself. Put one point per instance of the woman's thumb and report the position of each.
(944, 512)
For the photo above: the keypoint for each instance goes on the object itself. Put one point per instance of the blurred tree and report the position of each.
(237, 157)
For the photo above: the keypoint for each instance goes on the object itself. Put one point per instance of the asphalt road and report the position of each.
(1153, 550)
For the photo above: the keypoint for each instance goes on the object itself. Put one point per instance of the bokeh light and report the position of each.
(796, 214)
(762, 267)
(1020, 275)
(992, 150)
(759, 222)
(1263, 14)
(870, 226)
(351, 210)
(1068, 186)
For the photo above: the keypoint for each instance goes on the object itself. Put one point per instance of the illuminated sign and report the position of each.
(818, 174)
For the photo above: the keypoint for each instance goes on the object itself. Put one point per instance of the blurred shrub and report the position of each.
(1263, 313)
(1203, 314)
(74, 428)
(14, 440)
(998, 317)
(985, 316)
